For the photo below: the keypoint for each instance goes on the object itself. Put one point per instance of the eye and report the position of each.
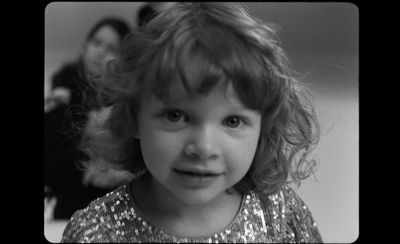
(233, 121)
(174, 115)
(95, 42)
(112, 50)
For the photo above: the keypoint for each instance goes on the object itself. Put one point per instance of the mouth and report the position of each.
(196, 178)
(197, 173)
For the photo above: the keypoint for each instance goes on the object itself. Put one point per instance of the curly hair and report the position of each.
(227, 44)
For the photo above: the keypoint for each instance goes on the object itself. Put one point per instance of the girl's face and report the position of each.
(197, 147)
(101, 49)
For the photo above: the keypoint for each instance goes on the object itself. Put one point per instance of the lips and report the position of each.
(195, 178)
(197, 172)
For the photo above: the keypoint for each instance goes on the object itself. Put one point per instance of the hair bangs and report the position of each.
(197, 60)
(240, 63)
(185, 63)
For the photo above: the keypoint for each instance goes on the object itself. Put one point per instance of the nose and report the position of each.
(203, 144)
(101, 51)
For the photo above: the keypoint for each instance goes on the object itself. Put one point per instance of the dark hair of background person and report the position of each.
(120, 27)
(145, 13)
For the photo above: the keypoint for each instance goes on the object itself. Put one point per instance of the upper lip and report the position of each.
(198, 171)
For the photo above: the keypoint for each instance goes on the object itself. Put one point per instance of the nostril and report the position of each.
(200, 151)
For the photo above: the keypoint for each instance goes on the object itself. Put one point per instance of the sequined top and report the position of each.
(280, 217)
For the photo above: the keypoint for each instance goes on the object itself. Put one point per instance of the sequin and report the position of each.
(280, 217)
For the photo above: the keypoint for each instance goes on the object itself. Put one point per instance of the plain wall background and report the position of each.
(321, 40)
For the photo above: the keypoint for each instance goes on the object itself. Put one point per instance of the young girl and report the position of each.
(207, 112)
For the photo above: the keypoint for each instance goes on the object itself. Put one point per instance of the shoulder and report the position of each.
(95, 222)
(285, 199)
(288, 212)
(291, 200)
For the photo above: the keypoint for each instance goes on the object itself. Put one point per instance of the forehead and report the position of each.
(106, 34)
(221, 95)
(189, 72)
(221, 92)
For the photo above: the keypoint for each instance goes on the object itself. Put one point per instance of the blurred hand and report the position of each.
(61, 95)
(108, 180)
(57, 96)
(49, 206)
(49, 104)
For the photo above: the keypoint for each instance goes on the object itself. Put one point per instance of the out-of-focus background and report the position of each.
(321, 40)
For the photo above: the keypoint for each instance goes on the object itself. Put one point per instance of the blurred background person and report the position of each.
(67, 108)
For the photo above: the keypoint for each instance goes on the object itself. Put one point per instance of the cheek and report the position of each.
(90, 51)
(241, 154)
(158, 148)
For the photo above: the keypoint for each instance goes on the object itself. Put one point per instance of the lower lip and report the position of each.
(196, 181)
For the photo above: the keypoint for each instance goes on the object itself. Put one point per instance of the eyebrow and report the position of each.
(231, 110)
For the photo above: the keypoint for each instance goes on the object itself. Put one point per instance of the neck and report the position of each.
(180, 218)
